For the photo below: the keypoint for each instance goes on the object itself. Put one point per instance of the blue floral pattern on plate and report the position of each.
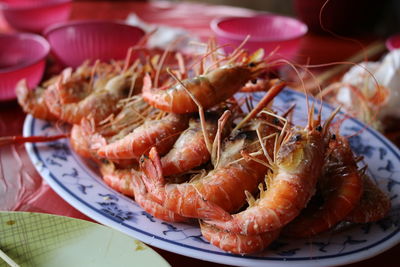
(80, 185)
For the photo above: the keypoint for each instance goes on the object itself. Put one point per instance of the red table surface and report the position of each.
(16, 169)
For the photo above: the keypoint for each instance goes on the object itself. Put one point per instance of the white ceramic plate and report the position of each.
(79, 185)
(38, 239)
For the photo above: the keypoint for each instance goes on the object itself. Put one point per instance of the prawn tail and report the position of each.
(153, 177)
(152, 207)
(209, 210)
(237, 243)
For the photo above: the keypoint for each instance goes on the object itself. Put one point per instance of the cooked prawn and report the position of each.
(118, 179)
(128, 182)
(32, 101)
(298, 164)
(80, 142)
(237, 243)
(222, 189)
(99, 104)
(209, 89)
(340, 186)
(373, 206)
(160, 133)
(190, 150)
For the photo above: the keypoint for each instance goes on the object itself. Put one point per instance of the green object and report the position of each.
(36, 239)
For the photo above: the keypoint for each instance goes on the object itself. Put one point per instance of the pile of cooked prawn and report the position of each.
(165, 129)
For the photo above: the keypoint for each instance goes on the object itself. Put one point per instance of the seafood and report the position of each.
(160, 133)
(80, 142)
(99, 104)
(208, 90)
(190, 149)
(222, 189)
(237, 243)
(32, 101)
(298, 164)
(119, 179)
(340, 187)
(373, 205)
(128, 182)
(146, 146)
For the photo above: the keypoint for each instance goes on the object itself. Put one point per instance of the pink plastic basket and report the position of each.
(271, 32)
(23, 56)
(35, 15)
(393, 42)
(76, 41)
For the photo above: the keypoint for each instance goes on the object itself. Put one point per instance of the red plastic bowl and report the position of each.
(270, 32)
(393, 42)
(22, 56)
(35, 15)
(76, 41)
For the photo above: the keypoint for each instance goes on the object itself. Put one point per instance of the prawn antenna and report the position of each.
(238, 51)
(264, 149)
(267, 98)
(283, 130)
(329, 120)
(216, 147)
(201, 112)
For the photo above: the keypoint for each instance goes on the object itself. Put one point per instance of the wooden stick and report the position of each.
(372, 50)
(6, 140)
(7, 259)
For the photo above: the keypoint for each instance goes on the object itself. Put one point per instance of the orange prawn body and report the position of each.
(190, 149)
(341, 187)
(160, 133)
(237, 243)
(292, 183)
(209, 89)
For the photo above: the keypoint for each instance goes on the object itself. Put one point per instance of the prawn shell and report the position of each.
(208, 90)
(189, 150)
(159, 133)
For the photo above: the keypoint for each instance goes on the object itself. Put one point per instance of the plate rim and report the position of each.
(198, 253)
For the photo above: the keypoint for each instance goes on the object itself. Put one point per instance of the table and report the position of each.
(21, 187)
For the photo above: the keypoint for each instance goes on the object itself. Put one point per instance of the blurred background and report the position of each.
(347, 17)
